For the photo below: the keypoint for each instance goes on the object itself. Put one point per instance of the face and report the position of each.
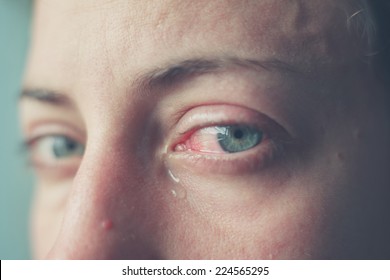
(204, 130)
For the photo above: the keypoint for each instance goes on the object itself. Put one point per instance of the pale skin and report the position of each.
(101, 74)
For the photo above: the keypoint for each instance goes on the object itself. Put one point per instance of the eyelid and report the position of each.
(53, 128)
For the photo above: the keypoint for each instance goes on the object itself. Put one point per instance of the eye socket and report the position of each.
(223, 139)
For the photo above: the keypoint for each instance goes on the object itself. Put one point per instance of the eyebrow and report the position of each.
(178, 72)
(46, 96)
(172, 74)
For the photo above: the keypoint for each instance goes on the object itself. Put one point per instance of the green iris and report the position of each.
(238, 138)
(65, 147)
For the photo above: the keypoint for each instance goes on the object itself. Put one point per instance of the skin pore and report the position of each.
(124, 106)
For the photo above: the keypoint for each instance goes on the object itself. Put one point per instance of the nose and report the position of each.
(105, 215)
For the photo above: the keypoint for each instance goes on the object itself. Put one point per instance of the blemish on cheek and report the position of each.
(107, 224)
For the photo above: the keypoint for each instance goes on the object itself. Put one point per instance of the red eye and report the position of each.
(227, 139)
(222, 139)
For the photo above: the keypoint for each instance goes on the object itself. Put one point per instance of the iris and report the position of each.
(65, 147)
(238, 138)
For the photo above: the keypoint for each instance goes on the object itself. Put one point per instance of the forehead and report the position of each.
(119, 36)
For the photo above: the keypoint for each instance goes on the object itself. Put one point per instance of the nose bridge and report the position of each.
(102, 216)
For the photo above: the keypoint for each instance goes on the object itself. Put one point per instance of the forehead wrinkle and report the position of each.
(310, 30)
(315, 29)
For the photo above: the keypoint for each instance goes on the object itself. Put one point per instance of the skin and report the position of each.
(315, 188)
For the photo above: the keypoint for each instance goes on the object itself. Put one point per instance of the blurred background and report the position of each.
(16, 179)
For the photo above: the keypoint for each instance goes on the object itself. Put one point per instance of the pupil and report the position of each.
(70, 144)
(238, 134)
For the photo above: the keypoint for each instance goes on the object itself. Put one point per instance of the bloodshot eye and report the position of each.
(222, 139)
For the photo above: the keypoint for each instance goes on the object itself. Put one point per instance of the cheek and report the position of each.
(47, 212)
(279, 229)
(248, 217)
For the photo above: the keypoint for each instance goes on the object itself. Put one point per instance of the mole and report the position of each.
(107, 224)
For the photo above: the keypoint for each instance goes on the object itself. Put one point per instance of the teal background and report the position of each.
(15, 177)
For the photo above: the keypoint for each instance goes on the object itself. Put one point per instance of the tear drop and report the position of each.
(173, 177)
(179, 192)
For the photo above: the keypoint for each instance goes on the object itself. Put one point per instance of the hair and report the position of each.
(371, 22)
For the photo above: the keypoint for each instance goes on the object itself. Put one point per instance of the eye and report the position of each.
(63, 147)
(52, 149)
(226, 139)
(223, 139)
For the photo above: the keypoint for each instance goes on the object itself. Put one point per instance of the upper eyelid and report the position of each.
(214, 114)
(40, 137)
(221, 114)
(44, 128)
